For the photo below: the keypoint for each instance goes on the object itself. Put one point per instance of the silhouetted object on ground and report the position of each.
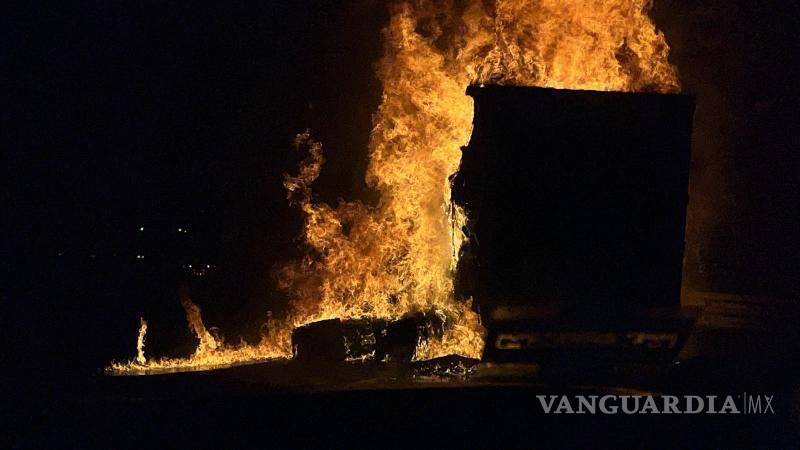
(398, 340)
(321, 341)
(379, 340)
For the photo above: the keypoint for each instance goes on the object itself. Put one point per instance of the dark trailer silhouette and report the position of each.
(577, 206)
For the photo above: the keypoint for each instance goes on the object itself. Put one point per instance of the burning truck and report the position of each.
(567, 202)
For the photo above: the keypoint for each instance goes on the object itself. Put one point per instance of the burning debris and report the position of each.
(398, 258)
(365, 339)
(321, 341)
(444, 368)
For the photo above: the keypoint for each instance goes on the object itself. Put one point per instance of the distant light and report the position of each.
(141, 228)
(139, 256)
(208, 266)
(180, 230)
(190, 266)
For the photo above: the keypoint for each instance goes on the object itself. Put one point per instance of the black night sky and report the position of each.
(168, 115)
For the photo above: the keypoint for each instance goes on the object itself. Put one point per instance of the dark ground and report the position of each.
(278, 405)
(473, 405)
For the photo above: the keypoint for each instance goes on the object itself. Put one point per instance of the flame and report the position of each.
(605, 45)
(140, 359)
(208, 343)
(211, 352)
(400, 255)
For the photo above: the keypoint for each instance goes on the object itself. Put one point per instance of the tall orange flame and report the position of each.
(140, 358)
(399, 256)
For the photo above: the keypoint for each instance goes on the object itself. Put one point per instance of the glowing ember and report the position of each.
(399, 256)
